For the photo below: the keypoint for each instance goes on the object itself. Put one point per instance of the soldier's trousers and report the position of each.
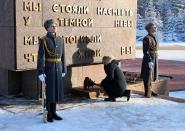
(147, 86)
(148, 83)
(51, 108)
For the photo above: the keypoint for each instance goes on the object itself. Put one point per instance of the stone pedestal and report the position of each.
(160, 87)
(10, 82)
(30, 84)
(26, 82)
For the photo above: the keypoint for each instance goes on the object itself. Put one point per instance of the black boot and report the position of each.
(49, 115)
(145, 93)
(56, 117)
(49, 118)
(112, 99)
(53, 112)
(127, 94)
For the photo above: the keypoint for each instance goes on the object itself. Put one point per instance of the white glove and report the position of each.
(63, 74)
(151, 65)
(42, 77)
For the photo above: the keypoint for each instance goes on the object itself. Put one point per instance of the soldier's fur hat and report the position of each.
(48, 23)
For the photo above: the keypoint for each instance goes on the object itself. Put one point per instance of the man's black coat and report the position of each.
(114, 82)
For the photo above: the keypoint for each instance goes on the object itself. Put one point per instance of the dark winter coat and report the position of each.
(115, 80)
(52, 47)
(150, 48)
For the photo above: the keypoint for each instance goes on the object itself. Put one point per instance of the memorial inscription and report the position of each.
(90, 29)
(109, 25)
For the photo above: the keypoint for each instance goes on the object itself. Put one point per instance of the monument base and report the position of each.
(160, 87)
(14, 83)
(10, 82)
(27, 84)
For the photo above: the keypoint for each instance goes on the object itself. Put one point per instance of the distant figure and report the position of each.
(114, 83)
(51, 68)
(149, 70)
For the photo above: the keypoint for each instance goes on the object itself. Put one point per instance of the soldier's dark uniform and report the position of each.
(150, 48)
(51, 62)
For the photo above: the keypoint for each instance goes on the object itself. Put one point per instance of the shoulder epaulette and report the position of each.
(51, 53)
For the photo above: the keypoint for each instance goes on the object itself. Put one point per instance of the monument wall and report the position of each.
(90, 28)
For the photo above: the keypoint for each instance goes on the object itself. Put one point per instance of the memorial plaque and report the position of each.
(90, 28)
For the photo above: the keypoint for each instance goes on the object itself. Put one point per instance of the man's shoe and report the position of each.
(110, 99)
(49, 118)
(128, 94)
(56, 117)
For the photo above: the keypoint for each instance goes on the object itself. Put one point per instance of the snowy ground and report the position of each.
(139, 43)
(139, 114)
(178, 94)
(177, 55)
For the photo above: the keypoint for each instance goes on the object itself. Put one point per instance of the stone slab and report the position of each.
(3, 82)
(9, 82)
(7, 13)
(160, 87)
(30, 84)
(7, 48)
(106, 38)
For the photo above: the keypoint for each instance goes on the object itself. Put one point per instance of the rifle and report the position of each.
(171, 77)
(44, 110)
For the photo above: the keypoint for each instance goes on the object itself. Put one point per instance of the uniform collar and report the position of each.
(51, 35)
(152, 35)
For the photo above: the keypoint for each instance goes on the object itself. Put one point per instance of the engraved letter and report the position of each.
(98, 53)
(27, 6)
(36, 7)
(117, 23)
(86, 10)
(27, 40)
(27, 20)
(90, 21)
(123, 52)
(55, 8)
(99, 11)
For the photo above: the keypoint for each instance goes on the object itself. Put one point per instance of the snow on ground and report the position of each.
(139, 43)
(177, 55)
(178, 94)
(139, 114)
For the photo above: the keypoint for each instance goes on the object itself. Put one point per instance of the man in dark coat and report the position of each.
(114, 83)
(149, 70)
(51, 68)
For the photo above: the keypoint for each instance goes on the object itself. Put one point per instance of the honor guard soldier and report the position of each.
(149, 70)
(51, 68)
